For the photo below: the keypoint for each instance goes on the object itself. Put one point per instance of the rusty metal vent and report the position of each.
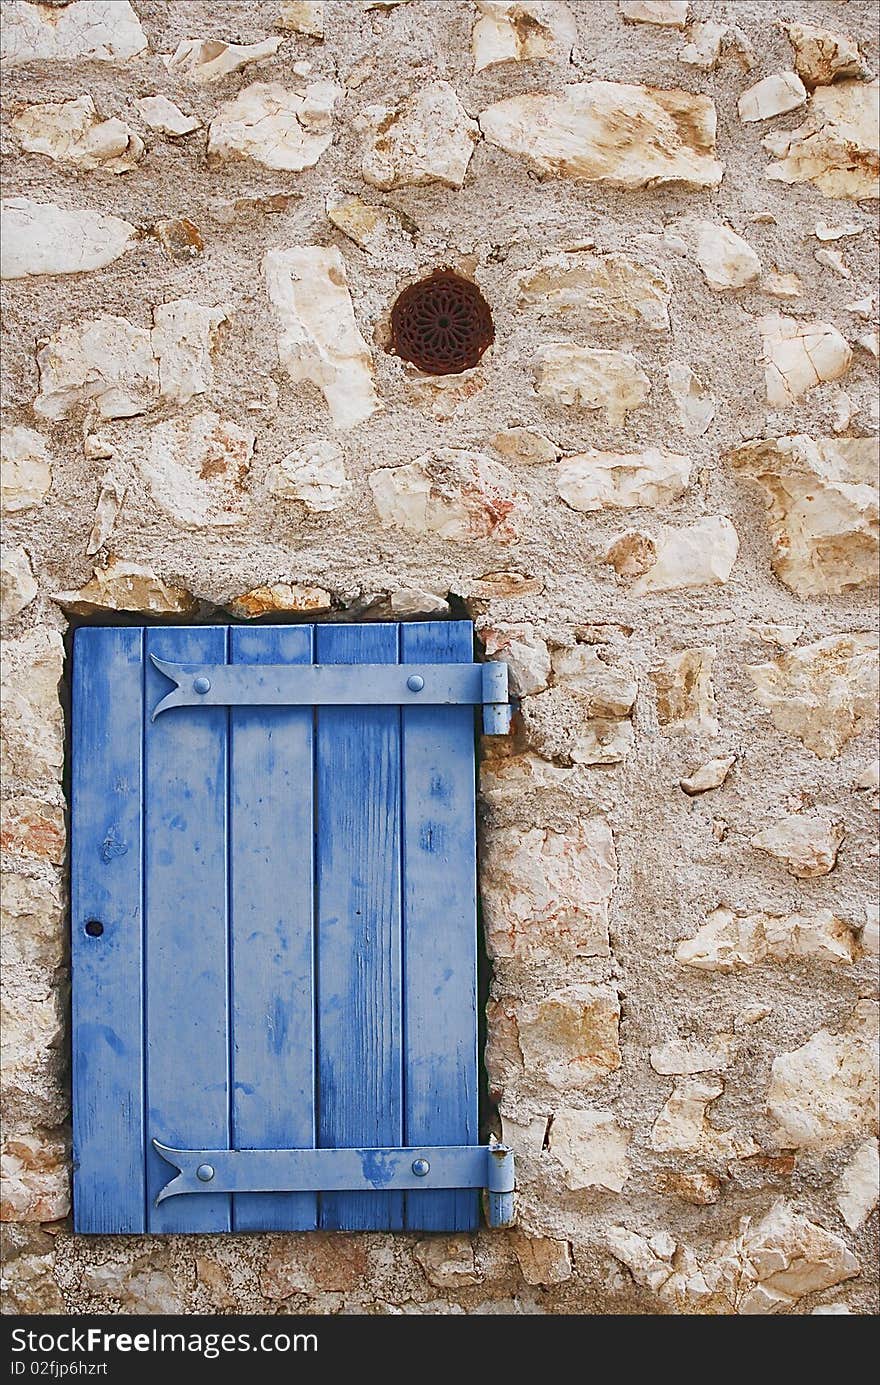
(442, 324)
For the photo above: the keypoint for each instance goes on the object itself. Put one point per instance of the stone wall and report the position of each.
(656, 495)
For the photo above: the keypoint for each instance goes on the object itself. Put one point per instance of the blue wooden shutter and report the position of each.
(274, 932)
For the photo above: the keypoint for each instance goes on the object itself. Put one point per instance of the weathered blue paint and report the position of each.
(439, 924)
(187, 928)
(288, 954)
(105, 892)
(353, 1170)
(360, 1014)
(270, 854)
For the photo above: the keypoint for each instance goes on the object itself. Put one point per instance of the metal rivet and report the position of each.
(201, 685)
(205, 1172)
(415, 683)
(421, 1166)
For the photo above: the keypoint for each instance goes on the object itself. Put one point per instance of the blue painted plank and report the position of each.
(185, 873)
(358, 919)
(271, 854)
(440, 925)
(105, 885)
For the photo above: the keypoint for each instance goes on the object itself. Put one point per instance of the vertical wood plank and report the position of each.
(105, 886)
(439, 925)
(185, 872)
(358, 921)
(271, 854)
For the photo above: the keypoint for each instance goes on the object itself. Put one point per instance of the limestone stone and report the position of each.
(684, 1057)
(727, 261)
(427, 137)
(105, 360)
(609, 690)
(591, 1147)
(33, 1033)
(72, 132)
(622, 480)
(456, 494)
(698, 1187)
(832, 259)
(98, 30)
(704, 47)
(806, 843)
(281, 596)
(18, 586)
(32, 828)
(822, 508)
(526, 445)
(693, 399)
(508, 776)
(542, 1259)
(559, 725)
(32, 720)
(837, 147)
(448, 1262)
(161, 114)
(858, 1188)
(834, 1309)
(798, 356)
(524, 652)
(196, 468)
(701, 555)
(570, 1037)
(34, 1179)
(313, 1263)
(275, 126)
(774, 95)
(602, 288)
(183, 340)
(380, 231)
(408, 602)
(303, 17)
(683, 1127)
(319, 340)
(613, 132)
(592, 378)
(314, 474)
(25, 470)
(632, 553)
(781, 285)
(126, 586)
(825, 1092)
(823, 692)
(710, 775)
(546, 893)
(28, 1283)
(821, 56)
(208, 59)
(729, 941)
(137, 1283)
(33, 923)
(685, 696)
(766, 1268)
(672, 13)
(504, 586)
(521, 31)
(110, 498)
(179, 237)
(42, 238)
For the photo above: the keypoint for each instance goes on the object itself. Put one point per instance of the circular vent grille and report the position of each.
(442, 324)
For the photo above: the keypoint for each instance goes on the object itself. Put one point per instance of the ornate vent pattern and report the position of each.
(442, 324)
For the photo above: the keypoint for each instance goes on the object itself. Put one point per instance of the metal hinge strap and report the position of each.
(353, 685)
(419, 1169)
